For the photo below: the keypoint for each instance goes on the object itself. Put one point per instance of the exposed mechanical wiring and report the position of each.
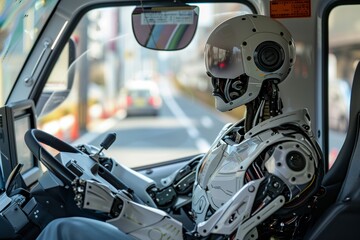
(260, 109)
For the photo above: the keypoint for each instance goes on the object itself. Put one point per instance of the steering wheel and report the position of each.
(69, 163)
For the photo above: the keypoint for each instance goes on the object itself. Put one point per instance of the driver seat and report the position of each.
(340, 205)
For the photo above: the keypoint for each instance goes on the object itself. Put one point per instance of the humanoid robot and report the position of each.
(261, 175)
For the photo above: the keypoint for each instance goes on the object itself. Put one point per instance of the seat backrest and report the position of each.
(336, 175)
(340, 205)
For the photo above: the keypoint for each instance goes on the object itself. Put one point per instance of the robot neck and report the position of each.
(267, 104)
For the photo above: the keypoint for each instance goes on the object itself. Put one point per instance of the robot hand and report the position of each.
(92, 195)
(176, 189)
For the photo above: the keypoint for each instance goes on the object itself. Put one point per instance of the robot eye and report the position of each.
(295, 161)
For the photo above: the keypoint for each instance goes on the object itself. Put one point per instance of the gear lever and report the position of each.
(105, 144)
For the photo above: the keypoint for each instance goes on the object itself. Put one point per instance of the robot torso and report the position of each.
(280, 148)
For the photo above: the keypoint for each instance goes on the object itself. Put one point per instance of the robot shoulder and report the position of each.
(300, 118)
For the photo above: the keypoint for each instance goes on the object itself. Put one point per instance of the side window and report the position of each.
(344, 54)
(21, 23)
(57, 87)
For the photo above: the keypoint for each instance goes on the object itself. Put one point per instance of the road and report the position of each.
(184, 127)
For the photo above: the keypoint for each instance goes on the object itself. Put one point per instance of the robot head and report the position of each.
(243, 52)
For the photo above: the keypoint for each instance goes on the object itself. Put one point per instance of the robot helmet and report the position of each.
(243, 52)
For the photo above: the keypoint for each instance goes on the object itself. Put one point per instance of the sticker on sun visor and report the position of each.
(168, 17)
(290, 8)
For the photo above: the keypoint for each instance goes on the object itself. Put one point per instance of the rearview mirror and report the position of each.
(165, 28)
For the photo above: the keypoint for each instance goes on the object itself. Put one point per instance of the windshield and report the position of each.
(158, 103)
(20, 24)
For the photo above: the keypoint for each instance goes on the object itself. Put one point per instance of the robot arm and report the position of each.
(228, 217)
(135, 219)
(172, 193)
(92, 195)
(238, 213)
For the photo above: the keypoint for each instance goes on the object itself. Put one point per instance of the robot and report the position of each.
(260, 177)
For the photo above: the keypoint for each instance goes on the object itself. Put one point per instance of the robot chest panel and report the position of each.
(226, 169)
